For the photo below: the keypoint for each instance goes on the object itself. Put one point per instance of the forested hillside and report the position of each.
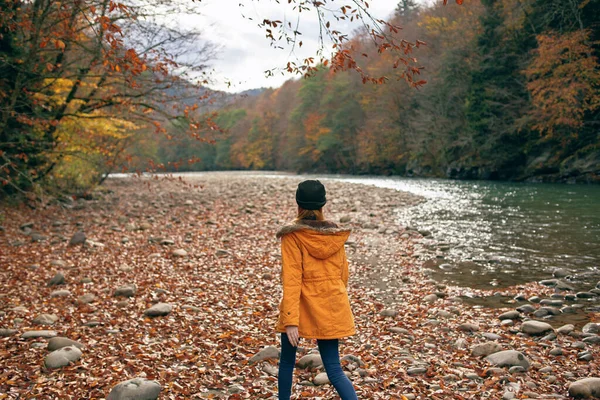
(513, 92)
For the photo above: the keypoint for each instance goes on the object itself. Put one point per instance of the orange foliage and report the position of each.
(313, 132)
(563, 81)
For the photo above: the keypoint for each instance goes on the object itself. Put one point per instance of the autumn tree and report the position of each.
(565, 84)
(79, 63)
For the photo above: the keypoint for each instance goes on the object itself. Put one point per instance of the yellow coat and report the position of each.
(315, 278)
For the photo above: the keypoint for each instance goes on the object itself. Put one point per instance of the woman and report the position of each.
(315, 302)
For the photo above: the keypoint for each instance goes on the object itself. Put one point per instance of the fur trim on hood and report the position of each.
(324, 227)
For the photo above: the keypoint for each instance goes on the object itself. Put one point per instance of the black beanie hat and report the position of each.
(310, 195)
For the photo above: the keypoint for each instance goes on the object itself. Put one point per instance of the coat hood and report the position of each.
(322, 239)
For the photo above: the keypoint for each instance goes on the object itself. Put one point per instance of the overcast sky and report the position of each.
(245, 52)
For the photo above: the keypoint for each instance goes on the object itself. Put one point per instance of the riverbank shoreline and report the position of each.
(416, 336)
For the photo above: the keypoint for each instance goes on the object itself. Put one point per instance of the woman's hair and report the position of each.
(313, 215)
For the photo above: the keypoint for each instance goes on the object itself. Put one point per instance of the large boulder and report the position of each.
(587, 388)
(508, 358)
(135, 389)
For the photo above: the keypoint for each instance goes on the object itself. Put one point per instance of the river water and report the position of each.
(498, 234)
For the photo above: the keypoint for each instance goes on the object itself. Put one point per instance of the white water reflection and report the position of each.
(514, 232)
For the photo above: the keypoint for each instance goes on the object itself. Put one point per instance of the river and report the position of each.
(498, 234)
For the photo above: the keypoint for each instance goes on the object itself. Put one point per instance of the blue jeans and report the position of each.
(331, 360)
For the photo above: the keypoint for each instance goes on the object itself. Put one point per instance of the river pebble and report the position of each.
(485, 349)
(269, 352)
(310, 361)
(508, 358)
(510, 315)
(125, 291)
(62, 357)
(159, 310)
(57, 279)
(586, 388)
(535, 327)
(135, 389)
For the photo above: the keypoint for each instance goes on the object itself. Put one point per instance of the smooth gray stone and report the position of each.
(585, 295)
(485, 349)
(310, 361)
(270, 369)
(549, 282)
(321, 379)
(159, 310)
(591, 328)
(586, 388)
(468, 327)
(125, 291)
(388, 313)
(535, 327)
(57, 279)
(39, 334)
(592, 339)
(416, 371)
(135, 389)
(566, 329)
(510, 315)
(491, 336)
(508, 358)
(561, 273)
(7, 332)
(526, 309)
(62, 357)
(353, 359)
(431, 298)
(59, 342)
(179, 253)
(553, 303)
(45, 319)
(86, 298)
(557, 351)
(265, 354)
(77, 238)
(60, 293)
(395, 329)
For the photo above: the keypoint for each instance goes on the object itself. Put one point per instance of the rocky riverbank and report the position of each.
(172, 289)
